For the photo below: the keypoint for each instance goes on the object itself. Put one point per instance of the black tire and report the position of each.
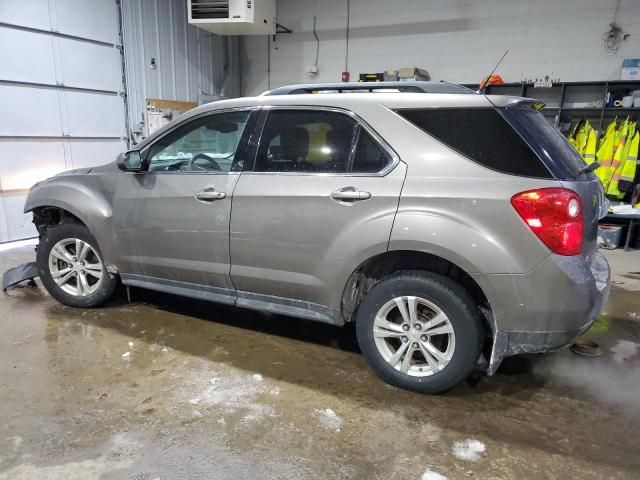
(453, 300)
(60, 232)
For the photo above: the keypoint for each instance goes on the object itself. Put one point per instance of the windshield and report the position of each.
(547, 141)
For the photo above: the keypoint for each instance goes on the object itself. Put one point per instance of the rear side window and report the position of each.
(306, 141)
(317, 141)
(481, 134)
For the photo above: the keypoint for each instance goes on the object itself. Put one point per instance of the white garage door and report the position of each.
(60, 96)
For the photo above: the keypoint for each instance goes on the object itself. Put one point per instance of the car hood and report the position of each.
(106, 168)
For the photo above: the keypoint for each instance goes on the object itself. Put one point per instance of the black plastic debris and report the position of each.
(19, 274)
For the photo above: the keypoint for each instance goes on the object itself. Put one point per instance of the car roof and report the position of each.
(350, 101)
(343, 87)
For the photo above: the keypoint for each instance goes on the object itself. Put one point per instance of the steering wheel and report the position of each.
(192, 165)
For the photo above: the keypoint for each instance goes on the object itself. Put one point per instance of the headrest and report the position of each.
(294, 143)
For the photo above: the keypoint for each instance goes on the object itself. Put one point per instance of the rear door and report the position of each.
(324, 190)
(171, 222)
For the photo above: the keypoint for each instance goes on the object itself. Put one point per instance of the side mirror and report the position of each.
(130, 161)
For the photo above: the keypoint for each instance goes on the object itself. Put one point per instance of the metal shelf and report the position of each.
(563, 90)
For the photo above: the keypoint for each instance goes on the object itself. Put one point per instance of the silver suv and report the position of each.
(453, 228)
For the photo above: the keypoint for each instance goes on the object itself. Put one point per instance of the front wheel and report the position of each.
(71, 266)
(420, 331)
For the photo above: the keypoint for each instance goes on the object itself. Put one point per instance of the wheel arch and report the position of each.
(382, 265)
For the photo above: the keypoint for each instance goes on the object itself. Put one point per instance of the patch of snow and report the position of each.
(122, 453)
(328, 419)
(131, 344)
(165, 349)
(275, 391)
(257, 377)
(228, 391)
(624, 350)
(431, 475)
(468, 449)
(126, 354)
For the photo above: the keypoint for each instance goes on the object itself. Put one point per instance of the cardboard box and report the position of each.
(413, 73)
(630, 69)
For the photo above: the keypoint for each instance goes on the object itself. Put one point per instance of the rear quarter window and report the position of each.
(482, 135)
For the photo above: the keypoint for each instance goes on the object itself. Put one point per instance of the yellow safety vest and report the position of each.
(589, 152)
(629, 169)
(605, 153)
(611, 164)
(613, 189)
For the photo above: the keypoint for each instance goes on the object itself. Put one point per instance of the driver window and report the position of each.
(207, 144)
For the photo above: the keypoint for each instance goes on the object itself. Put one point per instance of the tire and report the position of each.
(457, 335)
(98, 285)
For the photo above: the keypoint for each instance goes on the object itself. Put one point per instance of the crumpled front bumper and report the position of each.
(549, 307)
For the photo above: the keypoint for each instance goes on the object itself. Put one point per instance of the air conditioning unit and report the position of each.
(234, 17)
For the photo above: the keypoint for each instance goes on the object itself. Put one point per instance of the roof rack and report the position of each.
(413, 87)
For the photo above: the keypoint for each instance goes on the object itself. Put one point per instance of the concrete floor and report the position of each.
(166, 388)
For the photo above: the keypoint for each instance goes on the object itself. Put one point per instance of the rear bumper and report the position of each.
(546, 309)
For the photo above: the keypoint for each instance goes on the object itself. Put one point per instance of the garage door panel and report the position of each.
(95, 115)
(19, 224)
(31, 13)
(29, 111)
(26, 57)
(94, 153)
(87, 65)
(95, 19)
(27, 162)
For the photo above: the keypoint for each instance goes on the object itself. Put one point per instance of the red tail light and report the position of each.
(555, 216)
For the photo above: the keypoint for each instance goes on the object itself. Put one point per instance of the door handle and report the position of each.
(209, 195)
(350, 195)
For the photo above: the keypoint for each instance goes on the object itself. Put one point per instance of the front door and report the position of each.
(323, 192)
(171, 222)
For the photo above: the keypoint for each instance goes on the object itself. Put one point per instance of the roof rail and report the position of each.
(413, 87)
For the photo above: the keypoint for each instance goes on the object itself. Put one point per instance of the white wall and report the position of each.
(455, 40)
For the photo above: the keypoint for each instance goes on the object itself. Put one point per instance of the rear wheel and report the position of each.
(71, 267)
(420, 331)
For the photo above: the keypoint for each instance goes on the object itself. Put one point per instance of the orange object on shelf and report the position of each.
(492, 80)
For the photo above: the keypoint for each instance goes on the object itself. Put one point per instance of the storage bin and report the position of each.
(610, 236)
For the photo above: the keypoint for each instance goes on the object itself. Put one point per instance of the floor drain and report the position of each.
(586, 349)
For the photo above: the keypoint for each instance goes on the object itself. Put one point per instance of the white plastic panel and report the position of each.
(30, 13)
(29, 111)
(87, 65)
(95, 153)
(27, 162)
(94, 19)
(19, 224)
(25, 56)
(95, 115)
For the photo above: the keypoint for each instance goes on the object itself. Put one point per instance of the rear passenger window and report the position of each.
(306, 141)
(370, 157)
(317, 141)
(482, 135)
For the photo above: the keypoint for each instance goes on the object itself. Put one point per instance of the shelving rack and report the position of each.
(559, 98)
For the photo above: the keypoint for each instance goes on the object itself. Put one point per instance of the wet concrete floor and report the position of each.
(168, 388)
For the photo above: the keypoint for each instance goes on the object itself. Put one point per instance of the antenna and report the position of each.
(484, 83)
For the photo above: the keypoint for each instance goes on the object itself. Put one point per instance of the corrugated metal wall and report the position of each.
(191, 64)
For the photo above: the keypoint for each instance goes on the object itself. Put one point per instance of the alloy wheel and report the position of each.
(75, 267)
(414, 336)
